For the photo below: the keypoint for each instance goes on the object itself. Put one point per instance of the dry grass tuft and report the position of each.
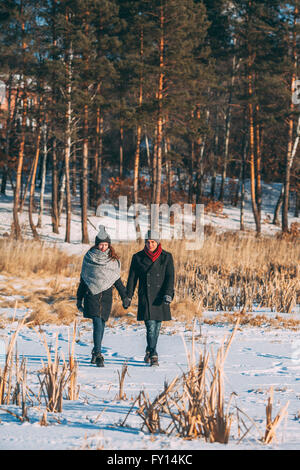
(193, 406)
(13, 378)
(56, 376)
(272, 425)
(122, 375)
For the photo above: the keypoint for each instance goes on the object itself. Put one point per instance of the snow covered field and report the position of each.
(258, 359)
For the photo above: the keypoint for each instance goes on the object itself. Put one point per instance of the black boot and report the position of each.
(154, 360)
(99, 360)
(147, 357)
(93, 360)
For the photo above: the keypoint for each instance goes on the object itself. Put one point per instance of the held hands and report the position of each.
(167, 299)
(126, 303)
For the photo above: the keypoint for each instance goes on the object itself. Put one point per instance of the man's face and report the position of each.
(103, 246)
(151, 245)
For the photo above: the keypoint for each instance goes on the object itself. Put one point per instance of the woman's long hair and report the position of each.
(112, 251)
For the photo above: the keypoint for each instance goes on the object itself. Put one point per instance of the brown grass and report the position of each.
(13, 378)
(58, 375)
(194, 404)
(230, 272)
(272, 424)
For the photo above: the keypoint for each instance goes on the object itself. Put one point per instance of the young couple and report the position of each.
(154, 269)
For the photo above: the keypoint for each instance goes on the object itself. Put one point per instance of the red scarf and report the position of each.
(153, 255)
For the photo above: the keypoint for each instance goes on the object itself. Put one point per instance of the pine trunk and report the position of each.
(68, 145)
(227, 131)
(16, 224)
(258, 189)
(160, 116)
(289, 155)
(252, 154)
(32, 185)
(43, 177)
(84, 201)
(121, 152)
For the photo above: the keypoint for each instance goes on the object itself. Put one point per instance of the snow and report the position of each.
(259, 357)
(120, 225)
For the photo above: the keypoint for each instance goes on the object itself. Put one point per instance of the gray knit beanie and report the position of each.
(102, 236)
(152, 235)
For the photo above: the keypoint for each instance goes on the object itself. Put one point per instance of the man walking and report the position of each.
(153, 267)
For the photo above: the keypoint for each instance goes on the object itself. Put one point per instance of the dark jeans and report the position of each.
(98, 330)
(153, 328)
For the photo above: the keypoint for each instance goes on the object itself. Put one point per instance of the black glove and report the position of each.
(167, 299)
(79, 306)
(126, 302)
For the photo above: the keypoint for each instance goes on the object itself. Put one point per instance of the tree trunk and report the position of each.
(159, 116)
(214, 159)
(154, 169)
(289, 156)
(227, 131)
(258, 189)
(54, 212)
(297, 205)
(7, 136)
(84, 201)
(43, 176)
(243, 178)
(138, 144)
(191, 172)
(99, 155)
(68, 145)
(278, 208)
(32, 185)
(16, 225)
(121, 151)
(23, 196)
(252, 147)
(169, 172)
(16, 229)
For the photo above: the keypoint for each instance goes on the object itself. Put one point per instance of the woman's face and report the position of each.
(151, 245)
(103, 246)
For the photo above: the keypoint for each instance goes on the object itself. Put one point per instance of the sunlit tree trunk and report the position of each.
(289, 155)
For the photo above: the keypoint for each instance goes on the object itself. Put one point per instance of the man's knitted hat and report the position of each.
(102, 236)
(152, 235)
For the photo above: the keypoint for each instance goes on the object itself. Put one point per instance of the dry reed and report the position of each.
(58, 375)
(122, 375)
(231, 272)
(194, 405)
(13, 385)
(272, 424)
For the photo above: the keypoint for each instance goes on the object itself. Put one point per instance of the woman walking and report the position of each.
(99, 273)
(153, 267)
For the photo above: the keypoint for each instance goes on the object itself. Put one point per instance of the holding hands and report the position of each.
(126, 303)
(167, 299)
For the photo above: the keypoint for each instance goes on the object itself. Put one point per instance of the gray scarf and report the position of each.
(99, 271)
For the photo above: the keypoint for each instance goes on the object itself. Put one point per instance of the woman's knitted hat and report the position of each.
(102, 236)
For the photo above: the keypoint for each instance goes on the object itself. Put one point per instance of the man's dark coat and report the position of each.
(156, 279)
